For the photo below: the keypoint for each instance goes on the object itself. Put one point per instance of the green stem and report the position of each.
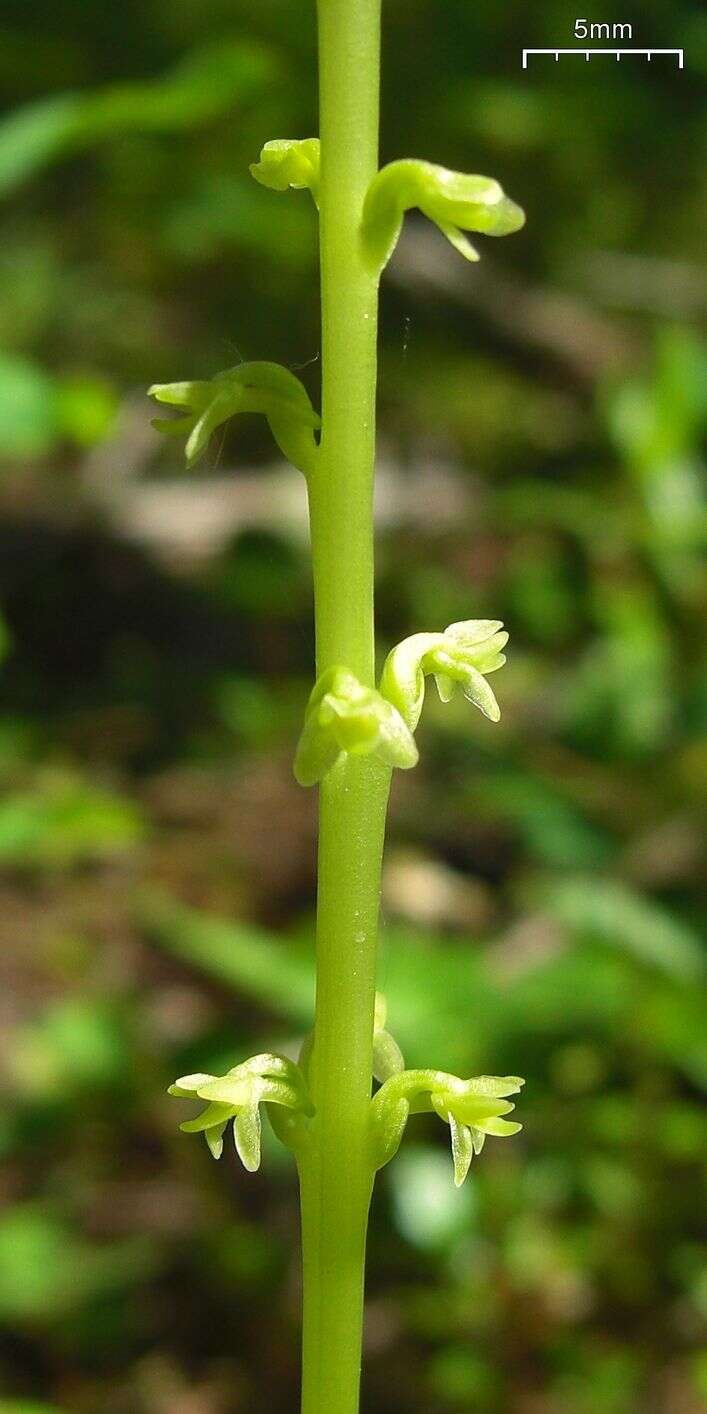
(335, 1167)
(336, 1173)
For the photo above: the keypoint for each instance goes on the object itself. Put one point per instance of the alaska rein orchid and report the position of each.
(355, 734)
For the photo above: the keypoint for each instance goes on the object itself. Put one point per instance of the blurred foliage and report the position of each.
(542, 460)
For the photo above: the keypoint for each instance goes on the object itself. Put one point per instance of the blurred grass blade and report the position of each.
(197, 90)
(243, 957)
(611, 912)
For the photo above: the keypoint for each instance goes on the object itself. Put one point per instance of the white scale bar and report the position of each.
(618, 52)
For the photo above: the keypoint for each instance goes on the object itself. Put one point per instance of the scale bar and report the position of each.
(617, 52)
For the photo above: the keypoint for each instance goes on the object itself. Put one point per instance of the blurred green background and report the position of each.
(542, 418)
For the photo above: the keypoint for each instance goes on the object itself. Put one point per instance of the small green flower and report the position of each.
(461, 656)
(471, 1108)
(455, 201)
(251, 387)
(344, 716)
(289, 162)
(264, 1079)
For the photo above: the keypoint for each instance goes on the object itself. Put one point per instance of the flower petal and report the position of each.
(495, 1086)
(469, 632)
(445, 686)
(223, 406)
(230, 1090)
(214, 1114)
(476, 1109)
(388, 1130)
(403, 680)
(387, 1056)
(173, 426)
(316, 753)
(477, 690)
(214, 1139)
(501, 1127)
(188, 1085)
(458, 240)
(194, 393)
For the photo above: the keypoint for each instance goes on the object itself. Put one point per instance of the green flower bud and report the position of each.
(343, 716)
(387, 1056)
(461, 656)
(251, 387)
(455, 202)
(264, 1079)
(289, 162)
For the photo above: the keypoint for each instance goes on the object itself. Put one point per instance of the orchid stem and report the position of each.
(335, 1167)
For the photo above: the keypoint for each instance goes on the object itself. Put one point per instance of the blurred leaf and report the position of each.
(541, 592)
(604, 1380)
(224, 209)
(561, 995)
(86, 406)
(658, 423)
(612, 912)
(239, 955)
(460, 1377)
(659, 420)
(438, 993)
(671, 1024)
(259, 714)
(551, 826)
(37, 410)
(28, 421)
(77, 1045)
(46, 1271)
(445, 1001)
(33, 136)
(623, 697)
(65, 820)
(201, 86)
